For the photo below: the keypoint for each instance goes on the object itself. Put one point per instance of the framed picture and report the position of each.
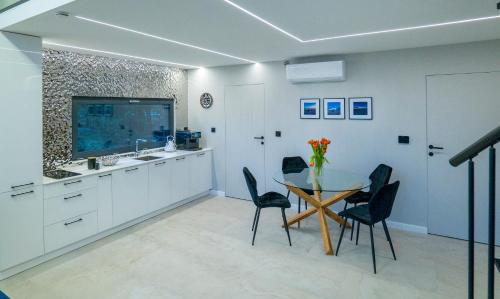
(334, 108)
(309, 108)
(360, 108)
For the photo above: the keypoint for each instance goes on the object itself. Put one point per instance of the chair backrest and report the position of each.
(252, 185)
(293, 164)
(380, 177)
(380, 204)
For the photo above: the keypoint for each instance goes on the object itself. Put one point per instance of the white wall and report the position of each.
(395, 80)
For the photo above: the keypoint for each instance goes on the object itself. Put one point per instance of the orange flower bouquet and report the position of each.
(319, 148)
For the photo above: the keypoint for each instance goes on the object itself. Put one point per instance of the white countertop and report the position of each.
(122, 163)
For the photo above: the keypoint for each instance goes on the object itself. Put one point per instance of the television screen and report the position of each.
(103, 126)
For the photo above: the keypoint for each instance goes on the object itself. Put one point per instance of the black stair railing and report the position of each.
(468, 154)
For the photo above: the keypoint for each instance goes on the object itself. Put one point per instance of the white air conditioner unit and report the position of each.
(328, 71)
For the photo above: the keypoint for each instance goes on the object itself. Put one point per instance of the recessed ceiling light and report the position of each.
(121, 54)
(264, 21)
(163, 38)
(403, 29)
(358, 34)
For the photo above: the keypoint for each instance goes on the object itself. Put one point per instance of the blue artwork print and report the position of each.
(333, 108)
(360, 108)
(310, 108)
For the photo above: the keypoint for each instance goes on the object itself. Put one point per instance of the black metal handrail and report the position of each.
(472, 150)
(468, 154)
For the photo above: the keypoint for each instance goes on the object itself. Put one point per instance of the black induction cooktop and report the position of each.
(60, 174)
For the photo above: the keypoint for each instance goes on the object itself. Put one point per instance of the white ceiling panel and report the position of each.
(220, 27)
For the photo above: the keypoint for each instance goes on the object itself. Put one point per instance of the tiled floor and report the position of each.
(203, 251)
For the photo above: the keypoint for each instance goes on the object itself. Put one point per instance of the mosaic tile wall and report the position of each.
(67, 74)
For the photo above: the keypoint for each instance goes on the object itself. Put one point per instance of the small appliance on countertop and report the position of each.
(188, 140)
(59, 174)
(170, 146)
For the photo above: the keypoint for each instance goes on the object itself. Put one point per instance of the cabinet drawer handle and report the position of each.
(23, 185)
(74, 196)
(24, 193)
(74, 182)
(131, 169)
(160, 163)
(105, 175)
(73, 222)
(178, 159)
(202, 154)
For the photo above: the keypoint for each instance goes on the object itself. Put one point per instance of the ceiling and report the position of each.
(218, 26)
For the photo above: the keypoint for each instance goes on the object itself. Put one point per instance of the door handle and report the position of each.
(261, 137)
(435, 147)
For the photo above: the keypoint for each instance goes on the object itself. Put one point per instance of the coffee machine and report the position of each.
(187, 140)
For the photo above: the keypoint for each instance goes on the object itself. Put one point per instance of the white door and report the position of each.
(160, 184)
(245, 127)
(130, 193)
(200, 173)
(460, 109)
(180, 179)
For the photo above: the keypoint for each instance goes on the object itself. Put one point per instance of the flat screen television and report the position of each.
(104, 125)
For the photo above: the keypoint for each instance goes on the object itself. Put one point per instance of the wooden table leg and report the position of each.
(336, 217)
(325, 233)
(320, 206)
(302, 215)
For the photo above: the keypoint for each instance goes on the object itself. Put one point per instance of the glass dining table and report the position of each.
(302, 181)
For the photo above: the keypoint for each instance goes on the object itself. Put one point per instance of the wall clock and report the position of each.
(206, 100)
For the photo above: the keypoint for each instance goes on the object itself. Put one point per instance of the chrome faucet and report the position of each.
(137, 146)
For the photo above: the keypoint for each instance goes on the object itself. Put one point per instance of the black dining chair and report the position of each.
(295, 164)
(379, 177)
(378, 209)
(267, 200)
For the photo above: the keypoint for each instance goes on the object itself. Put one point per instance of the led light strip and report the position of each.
(357, 34)
(122, 55)
(162, 38)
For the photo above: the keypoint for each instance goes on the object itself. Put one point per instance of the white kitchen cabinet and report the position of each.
(180, 178)
(200, 173)
(21, 106)
(160, 185)
(105, 201)
(70, 231)
(130, 193)
(21, 226)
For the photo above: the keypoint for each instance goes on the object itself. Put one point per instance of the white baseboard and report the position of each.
(392, 224)
(407, 227)
(217, 193)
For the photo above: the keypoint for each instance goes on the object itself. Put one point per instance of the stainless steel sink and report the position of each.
(147, 158)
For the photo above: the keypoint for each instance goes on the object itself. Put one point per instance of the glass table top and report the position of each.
(329, 180)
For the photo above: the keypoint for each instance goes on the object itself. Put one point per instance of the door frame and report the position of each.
(226, 163)
(427, 139)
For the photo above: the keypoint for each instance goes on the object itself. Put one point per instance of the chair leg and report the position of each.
(298, 223)
(345, 208)
(254, 218)
(388, 238)
(305, 202)
(286, 225)
(373, 250)
(341, 236)
(352, 229)
(256, 224)
(357, 233)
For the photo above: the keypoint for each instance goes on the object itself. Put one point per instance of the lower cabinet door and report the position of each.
(160, 185)
(130, 193)
(180, 178)
(200, 173)
(21, 226)
(105, 201)
(69, 231)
